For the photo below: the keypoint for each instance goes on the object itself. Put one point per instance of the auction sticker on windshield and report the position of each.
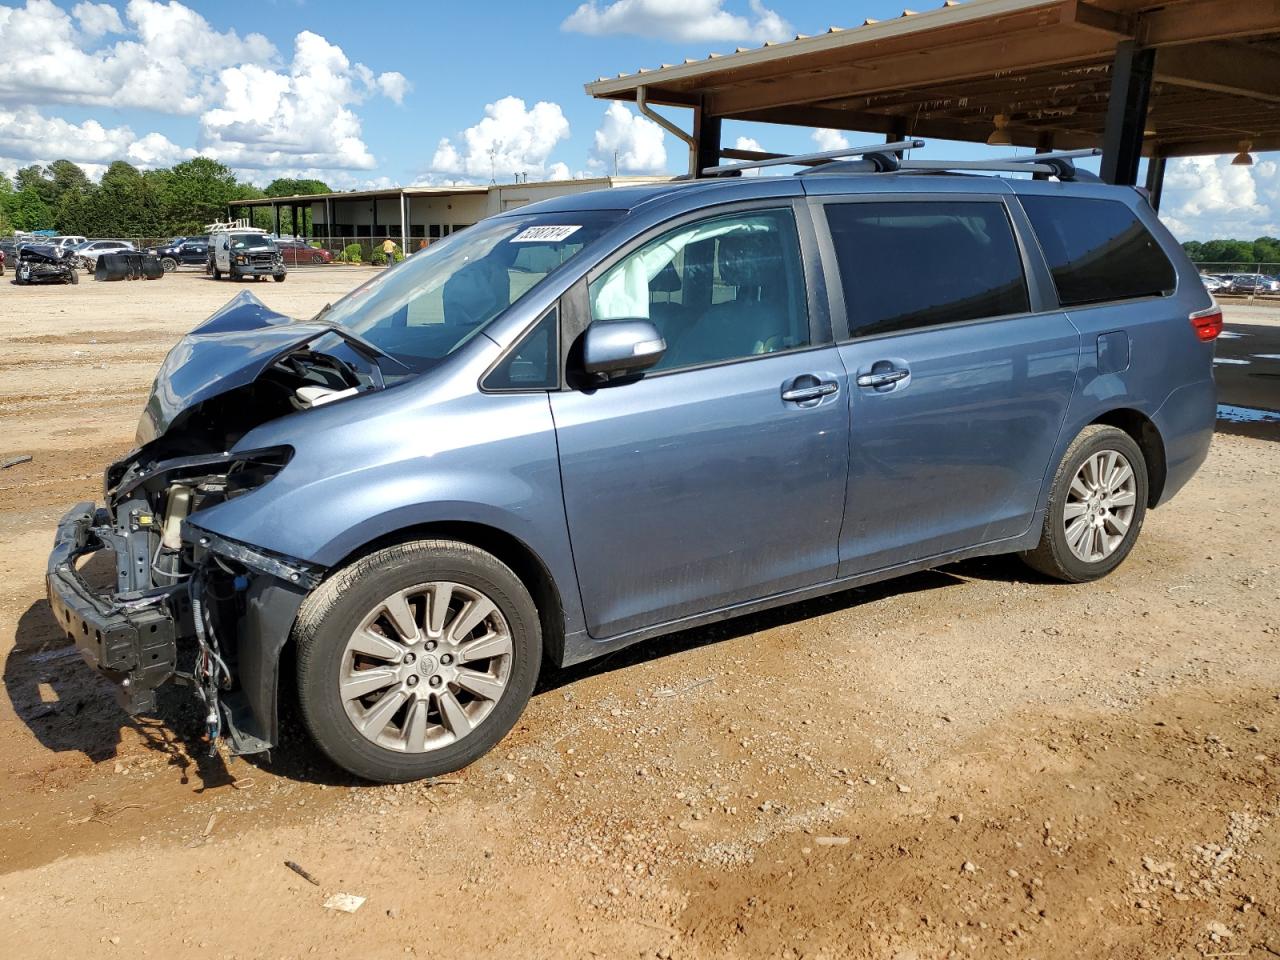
(549, 233)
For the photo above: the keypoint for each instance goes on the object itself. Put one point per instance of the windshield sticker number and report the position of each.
(545, 234)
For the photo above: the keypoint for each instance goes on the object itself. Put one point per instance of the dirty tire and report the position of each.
(334, 610)
(217, 274)
(168, 264)
(1053, 556)
(74, 276)
(278, 277)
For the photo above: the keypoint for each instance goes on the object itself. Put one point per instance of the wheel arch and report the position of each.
(511, 550)
(1147, 436)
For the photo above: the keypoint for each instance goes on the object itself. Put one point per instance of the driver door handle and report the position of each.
(810, 392)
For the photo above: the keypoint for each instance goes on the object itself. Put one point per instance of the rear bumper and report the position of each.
(129, 638)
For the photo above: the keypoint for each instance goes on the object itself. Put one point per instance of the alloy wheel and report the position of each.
(425, 667)
(1100, 505)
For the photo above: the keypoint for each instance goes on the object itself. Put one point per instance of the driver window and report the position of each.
(721, 289)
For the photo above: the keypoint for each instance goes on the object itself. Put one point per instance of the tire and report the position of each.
(317, 258)
(331, 618)
(217, 274)
(73, 276)
(1055, 555)
(169, 264)
(279, 277)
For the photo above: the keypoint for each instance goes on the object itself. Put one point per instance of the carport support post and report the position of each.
(404, 224)
(275, 217)
(1131, 72)
(706, 142)
(328, 217)
(1155, 179)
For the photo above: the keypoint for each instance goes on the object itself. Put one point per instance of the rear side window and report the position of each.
(1098, 250)
(906, 265)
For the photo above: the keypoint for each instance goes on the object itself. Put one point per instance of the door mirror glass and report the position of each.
(615, 348)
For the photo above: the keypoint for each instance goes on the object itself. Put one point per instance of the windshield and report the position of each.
(252, 242)
(426, 307)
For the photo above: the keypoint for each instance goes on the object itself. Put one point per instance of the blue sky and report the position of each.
(394, 93)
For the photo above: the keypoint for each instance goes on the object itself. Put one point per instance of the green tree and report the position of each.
(196, 193)
(28, 211)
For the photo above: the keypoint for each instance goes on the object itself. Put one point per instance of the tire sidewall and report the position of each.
(1110, 438)
(377, 577)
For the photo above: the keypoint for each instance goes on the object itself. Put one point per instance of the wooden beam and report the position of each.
(1217, 146)
(1086, 16)
(955, 62)
(1208, 20)
(1232, 68)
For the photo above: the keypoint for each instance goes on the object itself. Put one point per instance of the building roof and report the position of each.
(447, 190)
(1044, 65)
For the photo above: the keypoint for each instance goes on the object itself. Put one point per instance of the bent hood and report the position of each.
(231, 349)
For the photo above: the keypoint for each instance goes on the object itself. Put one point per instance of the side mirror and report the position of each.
(613, 348)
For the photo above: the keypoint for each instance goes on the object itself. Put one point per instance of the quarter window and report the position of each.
(534, 364)
(905, 265)
(720, 289)
(1098, 250)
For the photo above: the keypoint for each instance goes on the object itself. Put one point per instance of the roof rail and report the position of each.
(803, 159)
(1049, 164)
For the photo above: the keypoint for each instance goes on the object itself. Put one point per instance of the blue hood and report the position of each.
(231, 349)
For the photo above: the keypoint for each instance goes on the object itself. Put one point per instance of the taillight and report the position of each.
(1207, 323)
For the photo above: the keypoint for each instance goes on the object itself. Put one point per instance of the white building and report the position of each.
(410, 214)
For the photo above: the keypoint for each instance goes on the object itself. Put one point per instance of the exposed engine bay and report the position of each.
(188, 605)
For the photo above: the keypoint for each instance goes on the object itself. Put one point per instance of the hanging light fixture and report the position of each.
(1000, 136)
(1242, 159)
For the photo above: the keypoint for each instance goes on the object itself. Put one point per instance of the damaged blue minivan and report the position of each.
(619, 414)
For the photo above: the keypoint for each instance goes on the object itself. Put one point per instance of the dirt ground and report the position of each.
(970, 762)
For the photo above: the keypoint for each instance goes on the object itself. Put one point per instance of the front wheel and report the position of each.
(169, 264)
(217, 274)
(416, 660)
(1096, 507)
(278, 277)
(73, 276)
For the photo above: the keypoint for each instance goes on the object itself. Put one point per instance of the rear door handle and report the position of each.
(815, 391)
(883, 378)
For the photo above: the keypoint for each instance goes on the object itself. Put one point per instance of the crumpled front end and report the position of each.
(186, 606)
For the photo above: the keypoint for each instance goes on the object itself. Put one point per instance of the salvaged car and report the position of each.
(237, 252)
(295, 252)
(45, 263)
(615, 415)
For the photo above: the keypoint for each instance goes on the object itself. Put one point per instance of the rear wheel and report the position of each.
(415, 660)
(1096, 507)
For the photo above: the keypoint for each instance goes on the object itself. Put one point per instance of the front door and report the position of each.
(719, 477)
(957, 387)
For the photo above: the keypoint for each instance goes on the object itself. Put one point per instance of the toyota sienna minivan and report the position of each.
(619, 414)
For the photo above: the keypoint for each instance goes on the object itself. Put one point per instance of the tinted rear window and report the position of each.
(1098, 250)
(905, 265)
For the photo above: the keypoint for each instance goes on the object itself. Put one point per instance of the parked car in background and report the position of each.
(1212, 284)
(238, 252)
(183, 252)
(65, 242)
(297, 252)
(89, 251)
(45, 263)
(1254, 284)
(701, 400)
(2, 260)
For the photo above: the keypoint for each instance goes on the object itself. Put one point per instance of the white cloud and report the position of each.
(679, 20)
(161, 62)
(749, 143)
(511, 138)
(638, 143)
(394, 85)
(97, 19)
(828, 139)
(27, 136)
(1207, 198)
(302, 119)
